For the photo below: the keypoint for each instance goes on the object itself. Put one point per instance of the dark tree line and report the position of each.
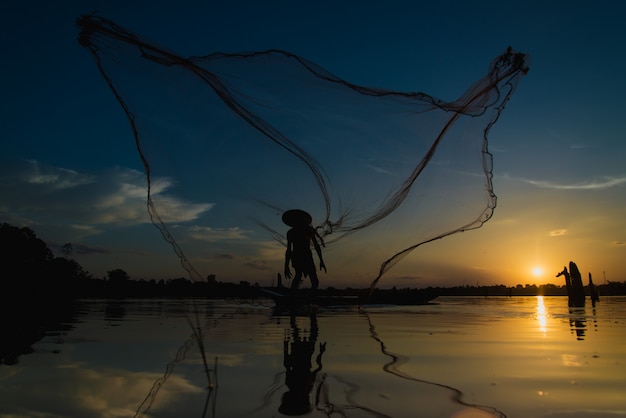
(31, 270)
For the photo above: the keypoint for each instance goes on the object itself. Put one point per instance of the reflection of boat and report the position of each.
(283, 298)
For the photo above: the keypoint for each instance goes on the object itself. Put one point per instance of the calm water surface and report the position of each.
(458, 357)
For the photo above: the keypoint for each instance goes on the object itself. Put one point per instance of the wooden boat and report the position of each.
(282, 297)
(286, 299)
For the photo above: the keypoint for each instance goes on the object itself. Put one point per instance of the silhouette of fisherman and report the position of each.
(299, 377)
(299, 239)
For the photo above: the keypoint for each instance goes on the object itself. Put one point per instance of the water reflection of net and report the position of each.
(393, 367)
(250, 135)
(196, 339)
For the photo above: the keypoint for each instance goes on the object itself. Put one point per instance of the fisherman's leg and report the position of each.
(314, 280)
(295, 283)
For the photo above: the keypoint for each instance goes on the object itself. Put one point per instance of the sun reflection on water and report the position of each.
(541, 314)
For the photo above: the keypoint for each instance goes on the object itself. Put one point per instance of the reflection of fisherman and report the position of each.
(299, 377)
(299, 239)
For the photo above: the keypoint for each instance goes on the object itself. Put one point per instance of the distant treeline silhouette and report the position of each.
(30, 270)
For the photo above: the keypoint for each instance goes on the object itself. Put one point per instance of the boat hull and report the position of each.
(284, 298)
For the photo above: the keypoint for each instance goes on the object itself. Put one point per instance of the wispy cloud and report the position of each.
(557, 232)
(205, 233)
(261, 265)
(54, 178)
(117, 196)
(224, 256)
(178, 210)
(378, 169)
(596, 184)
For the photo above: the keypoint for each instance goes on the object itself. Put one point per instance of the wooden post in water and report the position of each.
(574, 285)
(593, 292)
(578, 290)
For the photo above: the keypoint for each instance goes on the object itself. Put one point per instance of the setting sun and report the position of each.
(537, 271)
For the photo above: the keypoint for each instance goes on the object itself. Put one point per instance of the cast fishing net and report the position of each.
(229, 141)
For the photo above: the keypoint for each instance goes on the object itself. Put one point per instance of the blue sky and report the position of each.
(72, 173)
